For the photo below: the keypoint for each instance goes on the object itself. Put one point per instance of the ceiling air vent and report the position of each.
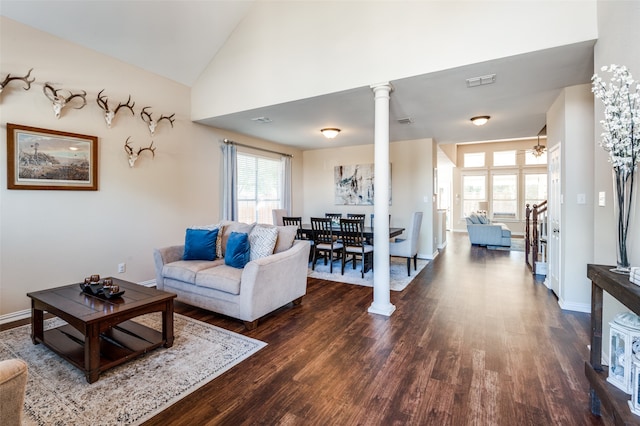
(262, 120)
(481, 81)
(406, 120)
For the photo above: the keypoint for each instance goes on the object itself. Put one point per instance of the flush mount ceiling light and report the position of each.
(480, 120)
(330, 132)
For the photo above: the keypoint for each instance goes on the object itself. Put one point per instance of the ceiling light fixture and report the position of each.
(538, 149)
(480, 120)
(330, 132)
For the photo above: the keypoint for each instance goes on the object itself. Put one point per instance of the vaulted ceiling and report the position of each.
(178, 39)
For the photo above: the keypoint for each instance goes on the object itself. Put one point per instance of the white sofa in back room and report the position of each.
(485, 233)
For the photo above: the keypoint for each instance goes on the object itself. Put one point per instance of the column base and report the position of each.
(385, 310)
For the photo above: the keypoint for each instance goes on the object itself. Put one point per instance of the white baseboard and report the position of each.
(148, 283)
(426, 256)
(577, 307)
(15, 316)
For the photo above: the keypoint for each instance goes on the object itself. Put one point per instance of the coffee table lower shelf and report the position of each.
(119, 344)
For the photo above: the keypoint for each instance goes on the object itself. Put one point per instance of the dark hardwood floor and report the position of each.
(474, 340)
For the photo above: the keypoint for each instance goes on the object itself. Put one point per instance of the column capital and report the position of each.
(386, 86)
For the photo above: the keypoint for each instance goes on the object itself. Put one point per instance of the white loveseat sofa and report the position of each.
(485, 233)
(260, 287)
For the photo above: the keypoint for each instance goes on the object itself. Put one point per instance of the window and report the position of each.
(474, 159)
(504, 158)
(259, 187)
(505, 196)
(474, 191)
(535, 188)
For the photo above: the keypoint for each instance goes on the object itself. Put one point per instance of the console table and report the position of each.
(612, 398)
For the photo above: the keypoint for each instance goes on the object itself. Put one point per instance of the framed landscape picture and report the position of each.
(50, 159)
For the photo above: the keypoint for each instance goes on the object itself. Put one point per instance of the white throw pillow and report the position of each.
(262, 241)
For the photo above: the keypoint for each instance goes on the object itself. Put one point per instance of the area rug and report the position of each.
(58, 393)
(517, 244)
(398, 271)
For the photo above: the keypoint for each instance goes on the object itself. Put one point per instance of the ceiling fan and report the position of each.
(538, 149)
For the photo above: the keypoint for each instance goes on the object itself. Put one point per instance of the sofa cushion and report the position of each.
(262, 241)
(238, 251)
(224, 278)
(186, 270)
(200, 244)
(220, 229)
(483, 219)
(473, 217)
(229, 227)
(286, 236)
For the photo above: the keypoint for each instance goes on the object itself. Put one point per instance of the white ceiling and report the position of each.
(177, 39)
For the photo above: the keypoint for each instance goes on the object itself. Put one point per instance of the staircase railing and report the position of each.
(535, 237)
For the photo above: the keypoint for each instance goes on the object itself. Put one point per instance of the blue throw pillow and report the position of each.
(200, 244)
(238, 250)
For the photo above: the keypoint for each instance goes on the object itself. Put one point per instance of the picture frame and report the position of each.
(50, 159)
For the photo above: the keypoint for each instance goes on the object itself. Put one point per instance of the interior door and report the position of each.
(554, 209)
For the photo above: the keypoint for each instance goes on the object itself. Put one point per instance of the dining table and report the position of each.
(367, 231)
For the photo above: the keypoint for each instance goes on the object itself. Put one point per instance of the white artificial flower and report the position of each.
(621, 124)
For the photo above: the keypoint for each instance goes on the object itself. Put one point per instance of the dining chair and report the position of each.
(352, 235)
(278, 214)
(295, 221)
(409, 248)
(335, 218)
(356, 216)
(324, 242)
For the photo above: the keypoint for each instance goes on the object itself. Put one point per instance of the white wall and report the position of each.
(290, 50)
(618, 36)
(411, 182)
(52, 238)
(570, 121)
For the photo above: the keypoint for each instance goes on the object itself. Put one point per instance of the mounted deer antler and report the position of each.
(103, 102)
(153, 123)
(60, 101)
(8, 78)
(133, 157)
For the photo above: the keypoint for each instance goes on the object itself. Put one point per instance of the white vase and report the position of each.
(624, 182)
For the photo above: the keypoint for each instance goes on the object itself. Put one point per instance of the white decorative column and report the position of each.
(381, 275)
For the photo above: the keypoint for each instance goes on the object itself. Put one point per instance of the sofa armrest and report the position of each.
(485, 234)
(165, 255)
(273, 281)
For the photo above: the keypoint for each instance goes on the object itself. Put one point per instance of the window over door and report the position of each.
(260, 184)
(474, 159)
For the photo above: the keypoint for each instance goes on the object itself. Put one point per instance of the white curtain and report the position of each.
(286, 183)
(229, 178)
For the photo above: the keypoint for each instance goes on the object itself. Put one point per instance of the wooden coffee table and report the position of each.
(100, 334)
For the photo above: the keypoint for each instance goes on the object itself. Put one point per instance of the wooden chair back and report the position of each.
(322, 230)
(352, 232)
(295, 221)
